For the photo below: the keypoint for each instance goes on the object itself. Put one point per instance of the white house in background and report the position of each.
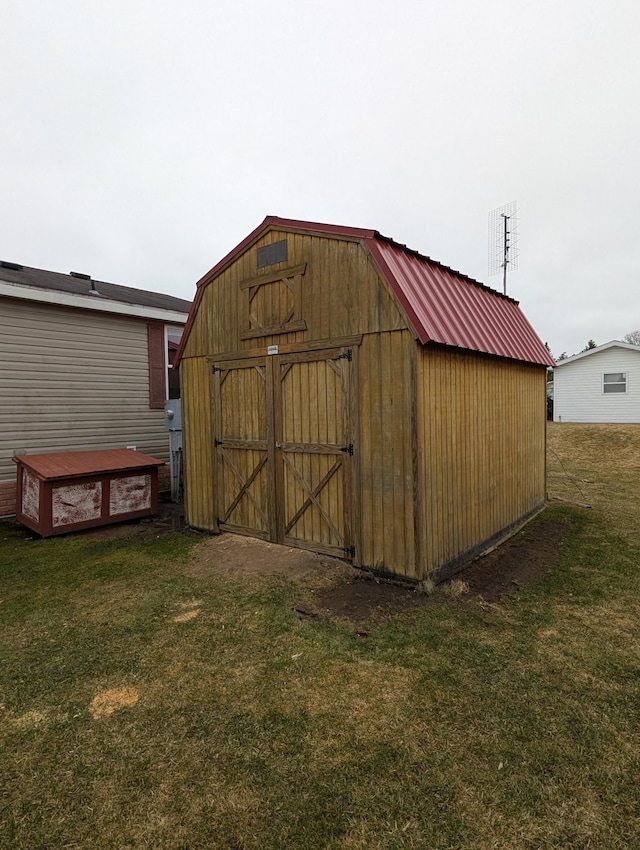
(85, 365)
(599, 385)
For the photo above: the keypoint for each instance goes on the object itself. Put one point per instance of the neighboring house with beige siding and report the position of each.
(598, 385)
(85, 365)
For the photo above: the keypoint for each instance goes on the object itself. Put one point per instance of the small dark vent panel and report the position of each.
(274, 253)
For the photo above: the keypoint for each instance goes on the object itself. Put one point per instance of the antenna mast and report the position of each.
(505, 262)
(503, 241)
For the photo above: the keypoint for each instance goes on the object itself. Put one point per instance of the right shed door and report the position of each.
(314, 451)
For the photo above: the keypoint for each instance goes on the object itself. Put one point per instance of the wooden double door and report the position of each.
(283, 449)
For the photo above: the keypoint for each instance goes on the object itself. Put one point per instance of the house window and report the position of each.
(614, 382)
(173, 336)
(164, 381)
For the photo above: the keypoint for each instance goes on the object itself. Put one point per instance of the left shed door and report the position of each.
(241, 457)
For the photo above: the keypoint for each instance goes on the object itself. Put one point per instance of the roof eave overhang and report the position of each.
(614, 343)
(416, 327)
(453, 348)
(95, 303)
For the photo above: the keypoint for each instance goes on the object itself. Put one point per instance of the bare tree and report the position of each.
(633, 337)
(550, 368)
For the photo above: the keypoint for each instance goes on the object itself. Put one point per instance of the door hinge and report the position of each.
(350, 551)
(215, 369)
(217, 442)
(348, 450)
(346, 355)
(220, 521)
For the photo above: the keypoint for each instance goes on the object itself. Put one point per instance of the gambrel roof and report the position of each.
(441, 305)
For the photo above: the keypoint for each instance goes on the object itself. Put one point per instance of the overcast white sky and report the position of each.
(141, 141)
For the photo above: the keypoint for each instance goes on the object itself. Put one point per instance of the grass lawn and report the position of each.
(145, 703)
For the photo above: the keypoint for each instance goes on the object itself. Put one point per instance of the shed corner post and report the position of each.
(416, 460)
(355, 435)
(546, 438)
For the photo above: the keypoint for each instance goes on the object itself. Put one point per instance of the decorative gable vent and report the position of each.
(274, 253)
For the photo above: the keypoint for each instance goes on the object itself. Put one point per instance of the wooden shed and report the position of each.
(344, 394)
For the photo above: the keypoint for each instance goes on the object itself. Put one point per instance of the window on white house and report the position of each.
(614, 382)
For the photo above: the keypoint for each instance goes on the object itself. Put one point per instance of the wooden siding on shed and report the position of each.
(384, 453)
(342, 294)
(74, 380)
(482, 432)
(195, 376)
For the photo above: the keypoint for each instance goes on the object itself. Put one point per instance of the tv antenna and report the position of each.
(503, 240)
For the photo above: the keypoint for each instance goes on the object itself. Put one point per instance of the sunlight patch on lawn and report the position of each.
(107, 702)
(188, 611)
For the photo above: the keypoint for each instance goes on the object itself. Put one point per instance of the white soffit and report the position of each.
(89, 302)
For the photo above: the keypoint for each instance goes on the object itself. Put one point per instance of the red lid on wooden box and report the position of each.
(76, 464)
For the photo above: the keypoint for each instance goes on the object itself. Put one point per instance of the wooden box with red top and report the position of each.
(69, 491)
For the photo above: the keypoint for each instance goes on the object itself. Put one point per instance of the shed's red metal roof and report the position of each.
(446, 307)
(441, 305)
(75, 464)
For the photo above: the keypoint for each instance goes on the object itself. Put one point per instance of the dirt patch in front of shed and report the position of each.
(363, 599)
(521, 561)
(234, 555)
(334, 589)
(508, 569)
